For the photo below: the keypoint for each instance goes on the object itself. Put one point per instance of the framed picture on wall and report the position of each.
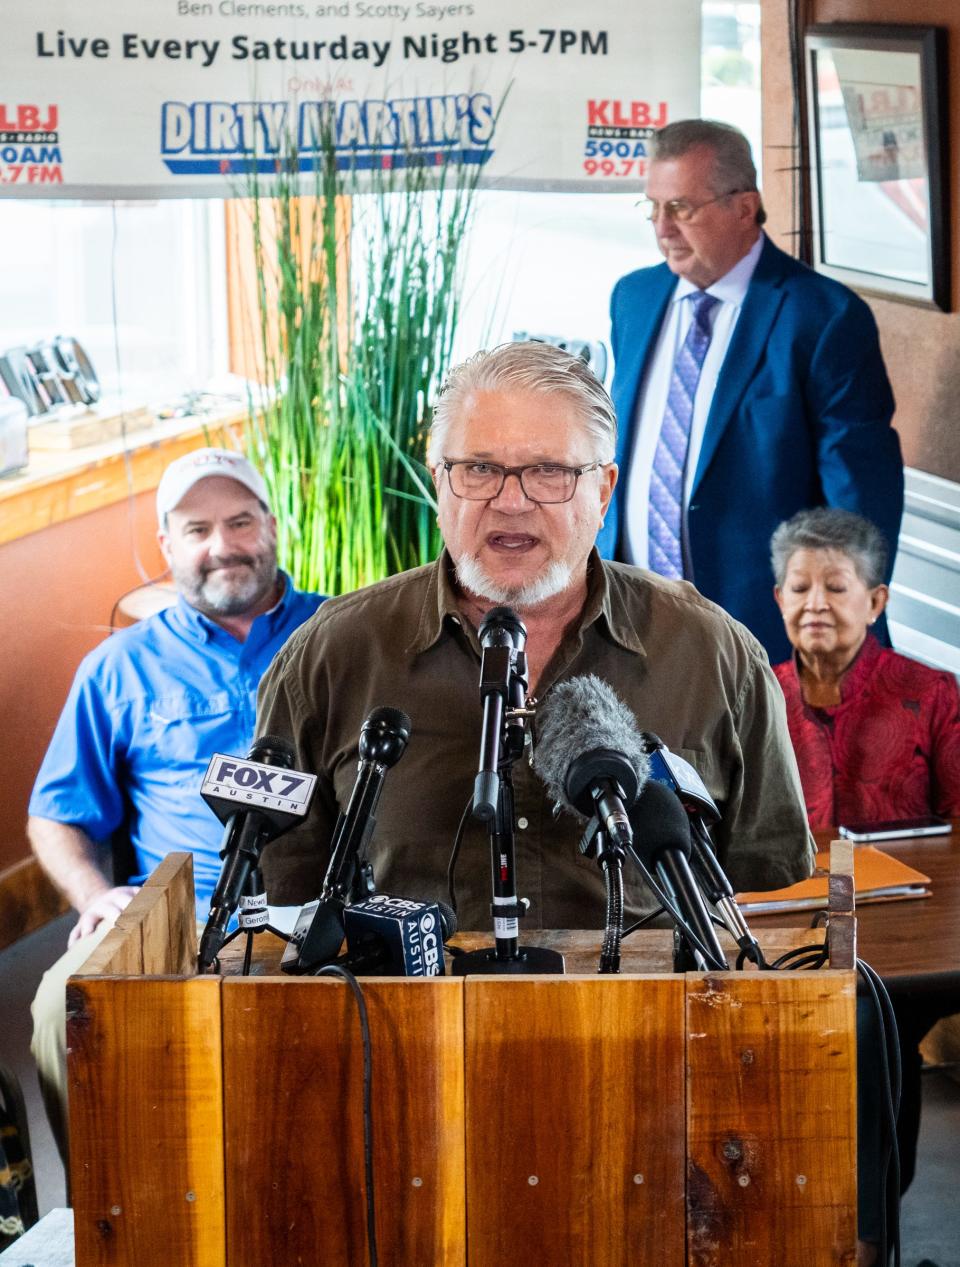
(878, 158)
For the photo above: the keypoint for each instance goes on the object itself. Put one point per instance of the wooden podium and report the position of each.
(645, 1119)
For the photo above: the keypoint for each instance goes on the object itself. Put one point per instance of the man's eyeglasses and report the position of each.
(545, 482)
(679, 209)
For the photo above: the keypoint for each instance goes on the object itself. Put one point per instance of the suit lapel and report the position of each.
(644, 329)
(760, 307)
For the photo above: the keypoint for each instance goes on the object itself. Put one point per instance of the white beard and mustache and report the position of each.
(471, 576)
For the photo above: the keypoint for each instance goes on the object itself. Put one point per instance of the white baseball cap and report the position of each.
(181, 475)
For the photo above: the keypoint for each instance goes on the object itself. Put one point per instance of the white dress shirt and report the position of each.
(730, 290)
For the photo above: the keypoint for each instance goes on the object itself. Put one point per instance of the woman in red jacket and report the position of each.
(877, 736)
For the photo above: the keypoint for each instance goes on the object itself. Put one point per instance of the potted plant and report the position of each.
(357, 297)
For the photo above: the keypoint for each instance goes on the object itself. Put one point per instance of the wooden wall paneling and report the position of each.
(293, 1087)
(155, 935)
(62, 487)
(28, 900)
(165, 911)
(146, 1121)
(575, 1121)
(120, 954)
(842, 923)
(771, 1119)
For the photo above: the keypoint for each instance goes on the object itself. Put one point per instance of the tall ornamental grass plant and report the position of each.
(358, 294)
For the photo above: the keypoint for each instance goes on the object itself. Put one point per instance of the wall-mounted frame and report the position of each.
(877, 108)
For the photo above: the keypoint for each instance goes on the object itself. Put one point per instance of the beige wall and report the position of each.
(921, 346)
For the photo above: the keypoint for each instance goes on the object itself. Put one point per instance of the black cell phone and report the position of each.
(891, 829)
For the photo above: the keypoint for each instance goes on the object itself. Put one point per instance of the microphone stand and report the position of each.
(503, 687)
(254, 918)
(689, 955)
(610, 855)
(718, 890)
(349, 875)
(319, 933)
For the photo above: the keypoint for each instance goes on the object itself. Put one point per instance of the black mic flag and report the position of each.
(397, 937)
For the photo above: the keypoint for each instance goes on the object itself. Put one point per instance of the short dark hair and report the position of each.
(734, 169)
(828, 528)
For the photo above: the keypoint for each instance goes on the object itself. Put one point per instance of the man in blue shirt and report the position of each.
(147, 710)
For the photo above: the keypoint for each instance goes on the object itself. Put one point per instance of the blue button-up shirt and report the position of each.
(147, 710)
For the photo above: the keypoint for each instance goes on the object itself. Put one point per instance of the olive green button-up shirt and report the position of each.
(686, 670)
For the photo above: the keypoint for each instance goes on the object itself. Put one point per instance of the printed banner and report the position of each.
(170, 98)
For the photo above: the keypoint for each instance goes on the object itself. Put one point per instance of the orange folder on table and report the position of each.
(876, 877)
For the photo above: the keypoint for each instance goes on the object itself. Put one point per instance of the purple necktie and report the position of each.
(670, 460)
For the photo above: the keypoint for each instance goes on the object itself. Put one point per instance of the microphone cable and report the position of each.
(455, 854)
(613, 934)
(644, 921)
(813, 957)
(816, 955)
(337, 970)
(890, 1087)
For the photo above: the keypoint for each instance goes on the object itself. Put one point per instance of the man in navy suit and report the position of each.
(747, 387)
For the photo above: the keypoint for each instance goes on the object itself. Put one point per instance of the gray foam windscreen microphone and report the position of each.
(580, 719)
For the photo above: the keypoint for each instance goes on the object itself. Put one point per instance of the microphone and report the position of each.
(503, 691)
(678, 775)
(383, 740)
(394, 937)
(662, 841)
(503, 637)
(257, 799)
(590, 753)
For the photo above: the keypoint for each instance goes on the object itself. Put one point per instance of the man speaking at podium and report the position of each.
(521, 451)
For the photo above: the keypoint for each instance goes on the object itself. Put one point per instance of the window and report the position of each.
(156, 268)
(546, 263)
(142, 285)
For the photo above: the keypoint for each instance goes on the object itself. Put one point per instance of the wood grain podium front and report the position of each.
(649, 1118)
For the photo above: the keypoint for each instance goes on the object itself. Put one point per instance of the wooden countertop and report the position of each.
(645, 953)
(913, 944)
(59, 486)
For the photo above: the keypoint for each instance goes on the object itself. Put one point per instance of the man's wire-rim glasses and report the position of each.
(546, 482)
(679, 209)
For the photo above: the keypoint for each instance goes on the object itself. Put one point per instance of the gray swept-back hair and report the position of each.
(828, 528)
(539, 368)
(733, 169)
